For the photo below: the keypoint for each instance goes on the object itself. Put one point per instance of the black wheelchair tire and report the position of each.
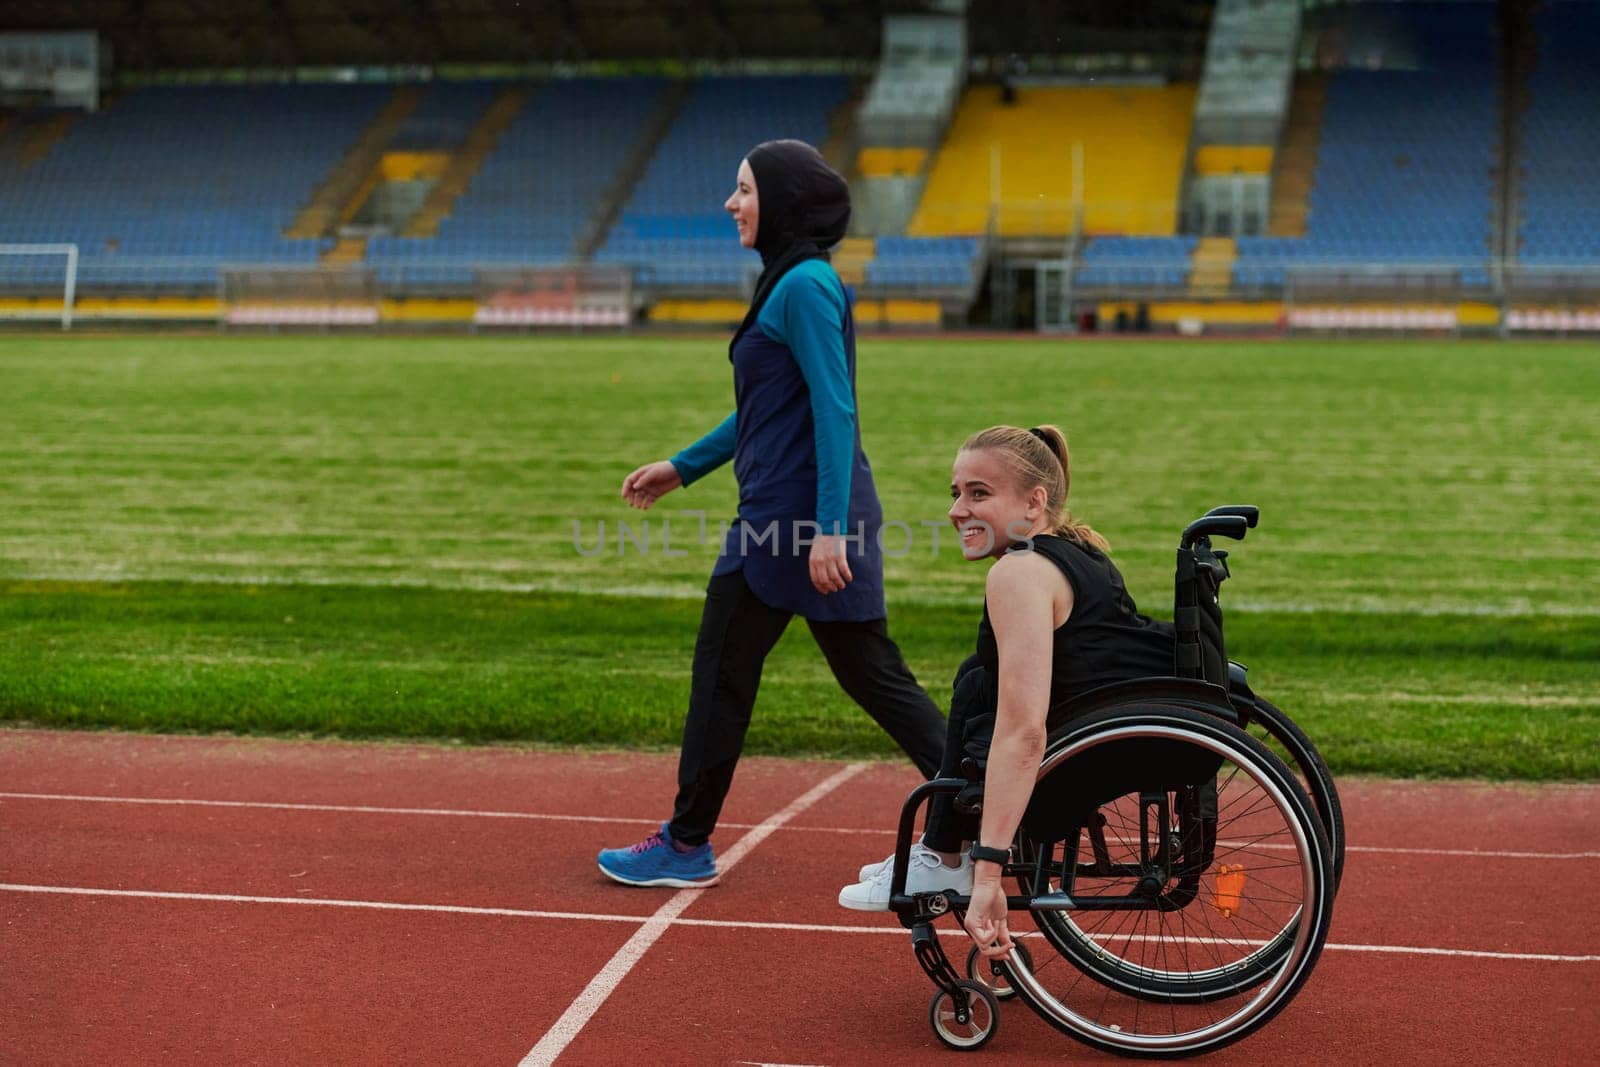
(984, 1021)
(1305, 759)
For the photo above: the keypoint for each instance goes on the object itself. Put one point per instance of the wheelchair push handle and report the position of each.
(1234, 526)
(1249, 512)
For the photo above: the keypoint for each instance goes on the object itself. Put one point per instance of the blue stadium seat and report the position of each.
(169, 182)
(1560, 210)
(1136, 261)
(676, 207)
(1405, 164)
(925, 263)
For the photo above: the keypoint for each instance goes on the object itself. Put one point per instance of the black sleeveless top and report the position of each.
(1104, 640)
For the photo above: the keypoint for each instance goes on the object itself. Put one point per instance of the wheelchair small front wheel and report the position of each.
(965, 1027)
(980, 970)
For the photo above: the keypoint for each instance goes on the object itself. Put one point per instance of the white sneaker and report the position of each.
(871, 869)
(926, 874)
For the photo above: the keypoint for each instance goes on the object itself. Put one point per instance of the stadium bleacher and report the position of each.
(1560, 210)
(175, 181)
(444, 115)
(672, 228)
(539, 188)
(1133, 140)
(1137, 261)
(1409, 184)
(924, 263)
(169, 183)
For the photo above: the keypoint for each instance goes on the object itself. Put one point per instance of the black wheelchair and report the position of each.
(1179, 856)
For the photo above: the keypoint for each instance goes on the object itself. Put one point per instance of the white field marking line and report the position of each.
(583, 1007)
(726, 924)
(466, 576)
(469, 813)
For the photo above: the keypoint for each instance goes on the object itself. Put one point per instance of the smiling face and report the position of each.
(744, 205)
(988, 511)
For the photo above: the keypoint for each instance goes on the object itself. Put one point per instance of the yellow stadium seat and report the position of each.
(891, 162)
(1016, 162)
(1233, 159)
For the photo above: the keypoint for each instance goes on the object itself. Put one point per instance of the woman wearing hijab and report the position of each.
(806, 538)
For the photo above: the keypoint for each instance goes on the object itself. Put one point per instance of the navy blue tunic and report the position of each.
(795, 443)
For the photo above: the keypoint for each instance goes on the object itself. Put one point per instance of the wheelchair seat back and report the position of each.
(1199, 650)
(1066, 798)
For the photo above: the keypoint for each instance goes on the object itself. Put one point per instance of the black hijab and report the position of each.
(803, 209)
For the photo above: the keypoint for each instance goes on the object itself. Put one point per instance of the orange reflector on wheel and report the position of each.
(1230, 885)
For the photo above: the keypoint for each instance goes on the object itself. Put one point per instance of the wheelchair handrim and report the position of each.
(1204, 982)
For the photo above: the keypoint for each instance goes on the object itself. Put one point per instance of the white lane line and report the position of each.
(734, 924)
(582, 1009)
(359, 809)
(1416, 950)
(380, 905)
(479, 813)
(1480, 853)
(365, 809)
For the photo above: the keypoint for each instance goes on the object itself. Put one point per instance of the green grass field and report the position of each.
(378, 536)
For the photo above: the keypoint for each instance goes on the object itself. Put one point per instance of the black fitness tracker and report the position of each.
(1001, 856)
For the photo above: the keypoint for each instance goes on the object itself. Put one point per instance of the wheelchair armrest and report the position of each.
(1189, 693)
(1237, 675)
(970, 800)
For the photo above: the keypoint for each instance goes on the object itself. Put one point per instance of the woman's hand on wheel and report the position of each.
(650, 483)
(830, 570)
(986, 917)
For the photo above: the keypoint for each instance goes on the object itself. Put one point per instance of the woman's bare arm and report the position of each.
(1023, 592)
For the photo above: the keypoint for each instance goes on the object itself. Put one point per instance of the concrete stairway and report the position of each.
(1211, 266)
(840, 147)
(616, 195)
(27, 138)
(1296, 162)
(347, 250)
(331, 202)
(850, 259)
(458, 174)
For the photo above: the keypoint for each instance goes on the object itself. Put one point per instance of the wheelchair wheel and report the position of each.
(1271, 726)
(1200, 906)
(969, 1027)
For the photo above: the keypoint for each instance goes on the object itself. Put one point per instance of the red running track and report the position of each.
(220, 901)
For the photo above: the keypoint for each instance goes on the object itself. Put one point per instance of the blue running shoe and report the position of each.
(654, 861)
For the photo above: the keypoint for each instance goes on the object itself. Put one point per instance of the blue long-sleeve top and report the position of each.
(803, 314)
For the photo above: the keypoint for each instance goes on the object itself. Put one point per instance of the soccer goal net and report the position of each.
(554, 296)
(298, 295)
(39, 281)
(1366, 298)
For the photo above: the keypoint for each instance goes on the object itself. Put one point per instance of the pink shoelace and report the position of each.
(655, 840)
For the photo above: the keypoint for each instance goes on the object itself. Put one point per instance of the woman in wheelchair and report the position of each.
(1057, 622)
(1104, 765)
